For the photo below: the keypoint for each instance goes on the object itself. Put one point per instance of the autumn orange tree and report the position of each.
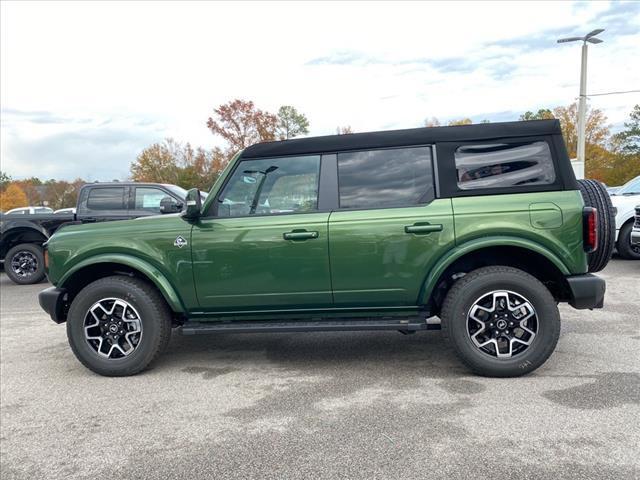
(241, 124)
(173, 162)
(12, 197)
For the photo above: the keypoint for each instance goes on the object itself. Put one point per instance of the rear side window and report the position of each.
(106, 198)
(395, 177)
(503, 165)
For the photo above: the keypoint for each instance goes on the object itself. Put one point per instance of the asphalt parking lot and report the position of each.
(323, 405)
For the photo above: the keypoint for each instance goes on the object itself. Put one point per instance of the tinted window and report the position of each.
(385, 178)
(270, 186)
(148, 198)
(107, 198)
(504, 165)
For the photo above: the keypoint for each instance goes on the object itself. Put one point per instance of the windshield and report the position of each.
(632, 187)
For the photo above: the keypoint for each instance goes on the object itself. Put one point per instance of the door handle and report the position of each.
(422, 228)
(299, 235)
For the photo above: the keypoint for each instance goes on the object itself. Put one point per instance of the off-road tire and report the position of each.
(34, 251)
(155, 317)
(595, 195)
(625, 249)
(472, 286)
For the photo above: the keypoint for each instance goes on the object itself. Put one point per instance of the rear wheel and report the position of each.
(24, 264)
(595, 195)
(501, 321)
(118, 325)
(625, 249)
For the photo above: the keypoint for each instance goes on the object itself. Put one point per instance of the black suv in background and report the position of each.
(22, 236)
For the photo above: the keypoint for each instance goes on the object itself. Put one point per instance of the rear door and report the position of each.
(100, 203)
(389, 229)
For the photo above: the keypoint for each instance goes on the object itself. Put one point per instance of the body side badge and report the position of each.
(179, 241)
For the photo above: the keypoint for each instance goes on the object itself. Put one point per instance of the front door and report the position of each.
(264, 244)
(389, 230)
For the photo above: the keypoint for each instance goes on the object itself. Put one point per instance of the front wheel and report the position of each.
(118, 325)
(625, 249)
(501, 321)
(24, 264)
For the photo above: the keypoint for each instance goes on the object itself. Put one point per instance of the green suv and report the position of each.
(478, 230)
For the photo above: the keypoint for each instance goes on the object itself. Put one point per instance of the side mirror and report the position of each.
(169, 205)
(194, 204)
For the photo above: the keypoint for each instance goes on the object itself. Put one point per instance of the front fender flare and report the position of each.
(156, 276)
(459, 251)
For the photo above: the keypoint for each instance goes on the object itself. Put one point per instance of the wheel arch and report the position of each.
(21, 234)
(106, 265)
(519, 253)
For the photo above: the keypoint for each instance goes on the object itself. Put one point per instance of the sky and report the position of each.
(84, 87)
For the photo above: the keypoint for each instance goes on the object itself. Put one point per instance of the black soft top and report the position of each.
(397, 138)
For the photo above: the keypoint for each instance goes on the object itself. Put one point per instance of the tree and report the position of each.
(344, 130)
(541, 114)
(291, 123)
(157, 163)
(172, 162)
(462, 121)
(33, 189)
(241, 124)
(628, 140)
(62, 194)
(596, 129)
(12, 197)
(5, 180)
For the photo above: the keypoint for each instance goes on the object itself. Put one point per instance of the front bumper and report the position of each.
(53, 301)
(635, 236)
(587, 291)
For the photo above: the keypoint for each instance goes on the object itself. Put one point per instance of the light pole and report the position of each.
(582, 102)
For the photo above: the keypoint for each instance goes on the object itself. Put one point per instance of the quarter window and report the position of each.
(385, 178)
(107, 198)
(503, 165)
(272, 186)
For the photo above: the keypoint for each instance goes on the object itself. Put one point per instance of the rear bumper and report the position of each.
(635, 237)
(587, 291)
(52, 301)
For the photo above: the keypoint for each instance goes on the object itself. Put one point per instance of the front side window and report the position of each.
(149, 199)
(502, 165)
(394, 177)
(271, 186)
(106, 198)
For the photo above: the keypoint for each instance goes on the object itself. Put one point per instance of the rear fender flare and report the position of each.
(458, 252)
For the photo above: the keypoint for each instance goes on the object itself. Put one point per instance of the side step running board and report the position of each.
(404, 325)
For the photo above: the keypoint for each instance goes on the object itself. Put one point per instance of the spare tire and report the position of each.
(595, 195)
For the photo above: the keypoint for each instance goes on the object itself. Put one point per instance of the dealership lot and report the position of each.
(323, 405)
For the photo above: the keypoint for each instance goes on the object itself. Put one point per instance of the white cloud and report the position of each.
(107, 79)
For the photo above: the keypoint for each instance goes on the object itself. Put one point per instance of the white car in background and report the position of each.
(29, 210)
(625, 200)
